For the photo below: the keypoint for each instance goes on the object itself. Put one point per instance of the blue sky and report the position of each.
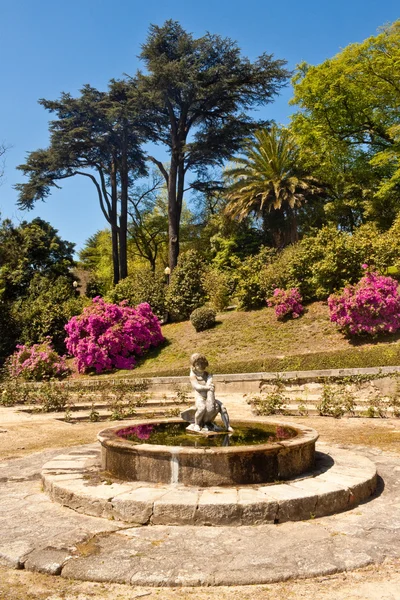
(49, 46)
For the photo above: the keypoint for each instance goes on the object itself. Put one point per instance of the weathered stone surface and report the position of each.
(92, 500)
(293, 504)
(48, 560)
(339, 482)
(207, 467)
(186, 555)
(255, 509)
(14, 553)
(331, 497)
(176, 507)
(218, 505)
(136, 506)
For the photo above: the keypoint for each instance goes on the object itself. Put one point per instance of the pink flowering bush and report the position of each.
(370, 307)
(106, 336)
(37, 362)
(287, 303)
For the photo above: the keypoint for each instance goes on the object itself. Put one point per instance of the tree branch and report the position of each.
(160, 166)
(96, 183)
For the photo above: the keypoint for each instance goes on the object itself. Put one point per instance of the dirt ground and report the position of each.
(22, 434)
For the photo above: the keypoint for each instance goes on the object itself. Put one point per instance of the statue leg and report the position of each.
(224, 416)
(199, 415)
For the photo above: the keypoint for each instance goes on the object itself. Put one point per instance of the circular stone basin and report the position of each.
(163, 452)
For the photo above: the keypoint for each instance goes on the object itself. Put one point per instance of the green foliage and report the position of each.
(9, 330)
(249, 278)
(269, 180)
(35, 283)
(45, 310)
(229, 241)
(325, 262)
(52, 397)
(14, 391)
(218, 288)
(336, 402)
(182, 394)
(203, 318)
(269, 403)
(95, 135)
(96, 257)
(348, 127)
(186, 290)
(141, 286)
(31, 249)
(206, 87)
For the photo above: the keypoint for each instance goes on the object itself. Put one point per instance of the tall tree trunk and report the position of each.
(274, 226)
(173, 215)
(114, 224)
(123, 219)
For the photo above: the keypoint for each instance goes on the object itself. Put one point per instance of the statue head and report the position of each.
(198, 361)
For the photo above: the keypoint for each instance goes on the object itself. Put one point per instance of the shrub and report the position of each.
(107, 336)
(323, 263)
(186, 291)
(250, 289)
(287, 303)
(217, 287)
(203, 318)
(9, 330)
(37, 362)
(370, 307)
(45, 311)
(269, 403)
(335, 402)
(142, 286)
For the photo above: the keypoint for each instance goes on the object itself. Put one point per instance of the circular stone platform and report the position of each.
(340, 480)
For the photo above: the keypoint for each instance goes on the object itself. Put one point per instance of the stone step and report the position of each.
(87, 406)
(106, 414)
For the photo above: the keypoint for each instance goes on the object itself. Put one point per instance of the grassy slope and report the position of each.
(256, 341)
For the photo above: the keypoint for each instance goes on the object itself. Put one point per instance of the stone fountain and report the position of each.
(196, 471)
(204, 453)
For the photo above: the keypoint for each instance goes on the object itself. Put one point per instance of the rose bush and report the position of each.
(287, 303)
(37, 362)
(369, 307)
(107, 336)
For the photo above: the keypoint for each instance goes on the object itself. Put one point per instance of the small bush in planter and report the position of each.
(203, 318)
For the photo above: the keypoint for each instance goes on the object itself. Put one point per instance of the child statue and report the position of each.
(207, 407)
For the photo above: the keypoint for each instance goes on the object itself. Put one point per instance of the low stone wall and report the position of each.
(246, 383)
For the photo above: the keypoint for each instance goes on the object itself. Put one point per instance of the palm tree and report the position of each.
(267, 180)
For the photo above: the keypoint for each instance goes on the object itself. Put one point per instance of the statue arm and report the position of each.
(196, 385)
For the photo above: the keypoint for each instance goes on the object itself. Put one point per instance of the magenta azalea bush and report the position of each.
(37, 362)
(287, 303)
(370, 307)
(107, 336)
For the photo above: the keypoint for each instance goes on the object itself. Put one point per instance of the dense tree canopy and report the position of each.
(37, 292)
(268, 179)
(97, 136)
(29, 249)
(349, 125)
(196, 94)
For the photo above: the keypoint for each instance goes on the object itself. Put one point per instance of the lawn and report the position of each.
(255, 341)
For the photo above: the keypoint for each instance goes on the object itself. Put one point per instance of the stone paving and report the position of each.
(41, 535)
